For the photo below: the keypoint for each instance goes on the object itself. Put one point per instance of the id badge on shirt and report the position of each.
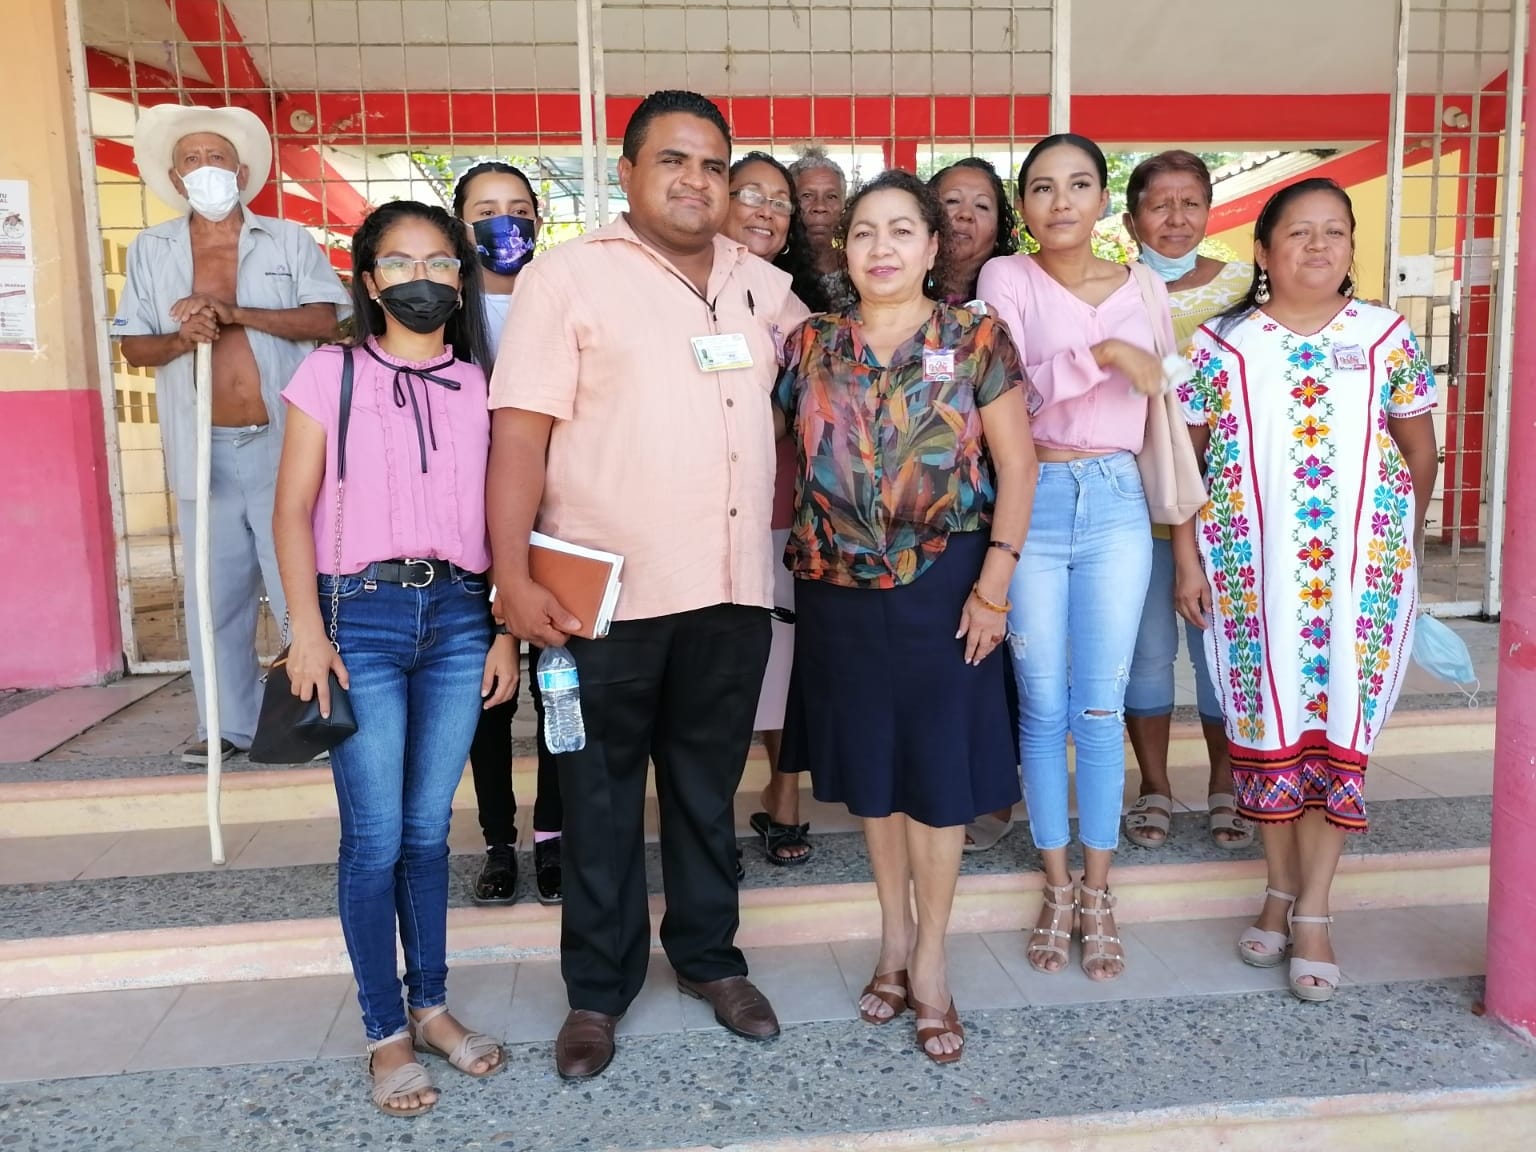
(1349, 357)
(722, 352)
(938, 365)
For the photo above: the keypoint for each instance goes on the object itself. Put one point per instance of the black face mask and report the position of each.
(421, 305)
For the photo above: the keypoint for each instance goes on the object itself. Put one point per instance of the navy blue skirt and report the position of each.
(883, 710)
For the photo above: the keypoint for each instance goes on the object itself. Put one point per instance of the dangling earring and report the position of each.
(1261, 297)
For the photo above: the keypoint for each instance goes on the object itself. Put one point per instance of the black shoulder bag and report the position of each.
(290, 730)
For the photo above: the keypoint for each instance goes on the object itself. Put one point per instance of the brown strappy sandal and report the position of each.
(931, 1024)
(474, 1047)
(890, 988)
(407, 1080)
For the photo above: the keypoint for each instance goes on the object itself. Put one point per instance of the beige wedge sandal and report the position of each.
(1042, 941)
(1095, 951)
(474, 1047)
(1260, 947)
(407, 1080)
(1327, 975)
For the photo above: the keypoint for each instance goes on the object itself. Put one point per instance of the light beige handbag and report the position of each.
(1170, 472)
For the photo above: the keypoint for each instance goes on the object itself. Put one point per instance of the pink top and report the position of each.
(417, 442)
(1073, 403)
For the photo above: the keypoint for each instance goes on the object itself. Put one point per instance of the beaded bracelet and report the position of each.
(1006, 547)
(989, 604)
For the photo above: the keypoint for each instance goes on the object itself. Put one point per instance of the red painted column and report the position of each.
(1511, 996)
(58, 613)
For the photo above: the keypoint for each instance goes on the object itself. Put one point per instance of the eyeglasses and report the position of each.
(752, 198)
(398, 269)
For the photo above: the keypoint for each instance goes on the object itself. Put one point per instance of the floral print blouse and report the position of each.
(891, 457)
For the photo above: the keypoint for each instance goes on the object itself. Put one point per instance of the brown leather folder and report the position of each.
(584, 580)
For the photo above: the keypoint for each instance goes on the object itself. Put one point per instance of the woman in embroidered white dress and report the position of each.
(1312, 411)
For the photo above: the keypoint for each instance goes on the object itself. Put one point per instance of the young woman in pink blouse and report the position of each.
(1086, 340)
(394, 600)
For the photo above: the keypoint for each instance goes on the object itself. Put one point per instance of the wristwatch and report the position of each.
(502, 629)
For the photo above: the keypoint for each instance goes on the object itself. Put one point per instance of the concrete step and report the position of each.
(1405, 1064)
(273, 922)
(97, 795)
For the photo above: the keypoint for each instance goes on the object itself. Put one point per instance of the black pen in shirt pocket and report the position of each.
(751, 304)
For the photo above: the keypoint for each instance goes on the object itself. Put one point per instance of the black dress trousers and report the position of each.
(680, 691)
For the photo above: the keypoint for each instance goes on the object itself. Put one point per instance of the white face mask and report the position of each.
(212, 192)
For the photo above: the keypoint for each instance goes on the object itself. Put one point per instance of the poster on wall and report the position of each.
(15, 223)
(18, 319)
(18, 296)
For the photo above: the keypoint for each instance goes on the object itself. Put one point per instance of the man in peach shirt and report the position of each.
(632, 414)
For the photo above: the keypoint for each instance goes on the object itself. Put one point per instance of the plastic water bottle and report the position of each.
(563, 727)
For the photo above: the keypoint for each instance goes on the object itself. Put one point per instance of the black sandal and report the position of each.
(777, 837)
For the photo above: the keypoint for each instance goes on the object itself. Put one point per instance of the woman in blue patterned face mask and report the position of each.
(498, 203)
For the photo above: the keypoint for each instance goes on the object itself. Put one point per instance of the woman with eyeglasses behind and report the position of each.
(382, 545)
(765, 216)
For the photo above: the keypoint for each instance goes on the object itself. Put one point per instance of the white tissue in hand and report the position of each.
(1177, 371)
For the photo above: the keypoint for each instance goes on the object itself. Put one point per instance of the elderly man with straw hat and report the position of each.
(262, 293)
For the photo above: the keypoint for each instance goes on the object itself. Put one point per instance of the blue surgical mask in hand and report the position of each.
(1443, 654)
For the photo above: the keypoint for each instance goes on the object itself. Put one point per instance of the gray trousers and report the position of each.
(241, 559)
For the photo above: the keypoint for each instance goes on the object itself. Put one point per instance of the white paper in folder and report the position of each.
(614, 564)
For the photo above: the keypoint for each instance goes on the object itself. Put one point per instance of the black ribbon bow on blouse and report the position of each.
(404, 391)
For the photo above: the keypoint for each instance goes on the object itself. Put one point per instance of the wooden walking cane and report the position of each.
(203, 361)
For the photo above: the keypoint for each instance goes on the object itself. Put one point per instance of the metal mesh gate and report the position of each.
(370, 100)
(1459, 167)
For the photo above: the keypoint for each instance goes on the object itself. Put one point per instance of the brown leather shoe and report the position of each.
(738, 1005)
(584, 1047)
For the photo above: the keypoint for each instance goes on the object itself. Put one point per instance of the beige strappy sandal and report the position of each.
(1228, 821)
(407, 1080)
(1327, 975)
(1099, 954)
(474, 1047)
(1260, 947)
(1150, 813)
(1048, 946)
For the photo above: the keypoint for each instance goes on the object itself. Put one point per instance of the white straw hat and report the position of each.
(160, 127)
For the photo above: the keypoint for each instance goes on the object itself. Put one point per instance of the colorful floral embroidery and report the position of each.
(1229, 555)
(1307, 541)
(1312, 455)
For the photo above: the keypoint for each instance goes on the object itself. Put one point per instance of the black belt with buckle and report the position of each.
(414, 573)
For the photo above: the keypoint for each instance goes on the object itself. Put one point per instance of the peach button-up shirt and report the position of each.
(650, 456)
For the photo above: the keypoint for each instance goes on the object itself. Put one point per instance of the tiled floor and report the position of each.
(270, 1021)
(39, 727)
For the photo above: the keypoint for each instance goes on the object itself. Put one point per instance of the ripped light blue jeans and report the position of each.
(1077, 598)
